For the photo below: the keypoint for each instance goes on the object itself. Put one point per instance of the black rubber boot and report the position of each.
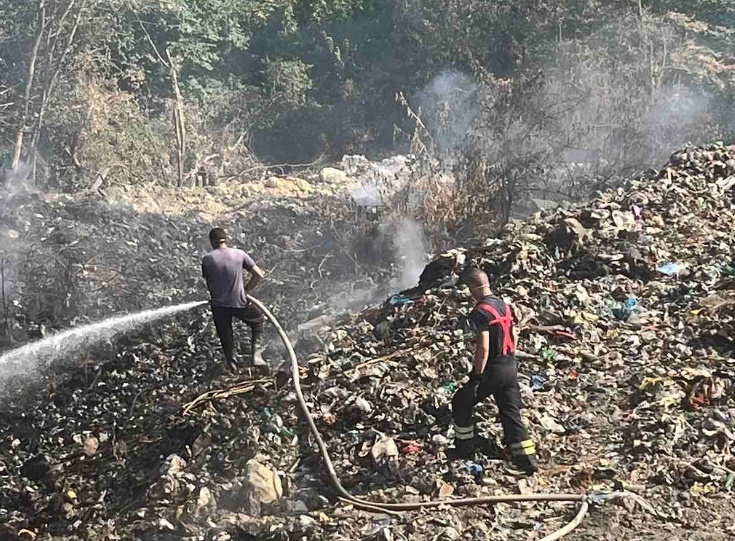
(527, 464)
(255, 360)
(463, 450)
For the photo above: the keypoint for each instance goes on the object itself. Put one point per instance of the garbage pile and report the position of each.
(626, 312)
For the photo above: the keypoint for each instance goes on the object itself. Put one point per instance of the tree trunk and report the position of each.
(178, 120)
(50, 84)
(40, 29)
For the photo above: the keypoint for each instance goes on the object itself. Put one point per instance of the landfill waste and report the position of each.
(644, 405)
(389, 169)
(474, 469)
(670, 269)
(624, 310)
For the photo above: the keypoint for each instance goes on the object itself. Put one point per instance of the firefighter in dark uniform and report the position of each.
(493, 374)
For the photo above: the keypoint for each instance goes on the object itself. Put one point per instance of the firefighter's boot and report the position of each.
(464, 443)
(523, 456)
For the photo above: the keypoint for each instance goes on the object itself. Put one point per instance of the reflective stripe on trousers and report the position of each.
(525, 447)
(464, 432)
(500, 381)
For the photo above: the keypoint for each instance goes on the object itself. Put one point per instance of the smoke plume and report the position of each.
(410, 253)
(17, 182)
(449, 106)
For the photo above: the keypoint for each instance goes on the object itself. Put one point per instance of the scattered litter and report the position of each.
(644, 400)
(670, 269)
(475, 469)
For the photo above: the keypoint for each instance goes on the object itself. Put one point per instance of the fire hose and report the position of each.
(397, 507)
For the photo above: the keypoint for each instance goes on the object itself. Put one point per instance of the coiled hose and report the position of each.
(397, 507)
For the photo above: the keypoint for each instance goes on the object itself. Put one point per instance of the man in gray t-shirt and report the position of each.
(223, 268)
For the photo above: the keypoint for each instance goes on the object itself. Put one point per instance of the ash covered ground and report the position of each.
(626, 309)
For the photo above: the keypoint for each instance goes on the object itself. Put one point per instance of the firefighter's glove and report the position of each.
(474, 382)
(470, 388)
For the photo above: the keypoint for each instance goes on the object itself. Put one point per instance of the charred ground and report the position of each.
(113, 446)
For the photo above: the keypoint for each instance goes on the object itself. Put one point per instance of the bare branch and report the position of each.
(153, 45)
(30, 79)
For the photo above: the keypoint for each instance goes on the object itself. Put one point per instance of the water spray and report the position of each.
(26, 359)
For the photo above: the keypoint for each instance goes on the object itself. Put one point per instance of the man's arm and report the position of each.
(482, 349)
(256, 273)
(256, 276)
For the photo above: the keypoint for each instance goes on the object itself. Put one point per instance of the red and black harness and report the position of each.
(504, 321)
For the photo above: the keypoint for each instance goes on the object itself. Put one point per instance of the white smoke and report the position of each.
(18, 181)
(449, 106)
(410, 247)
(367, 196)
(678, 114)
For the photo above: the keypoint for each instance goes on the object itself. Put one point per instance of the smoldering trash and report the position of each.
(626, 316)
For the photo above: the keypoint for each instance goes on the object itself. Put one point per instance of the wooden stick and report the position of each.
(388, 357)
(217, 394)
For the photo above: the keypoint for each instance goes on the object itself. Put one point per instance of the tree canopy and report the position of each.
(127, 89)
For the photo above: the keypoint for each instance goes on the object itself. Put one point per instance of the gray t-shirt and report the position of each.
(223, 270)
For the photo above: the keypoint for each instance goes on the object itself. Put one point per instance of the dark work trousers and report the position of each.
(500, 380)
(251, 316)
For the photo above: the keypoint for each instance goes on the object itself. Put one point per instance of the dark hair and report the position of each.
(217, 235)
(472, 276)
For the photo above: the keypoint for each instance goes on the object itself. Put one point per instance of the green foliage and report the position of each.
(287, 81)
(199, 33)
(295, 79)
